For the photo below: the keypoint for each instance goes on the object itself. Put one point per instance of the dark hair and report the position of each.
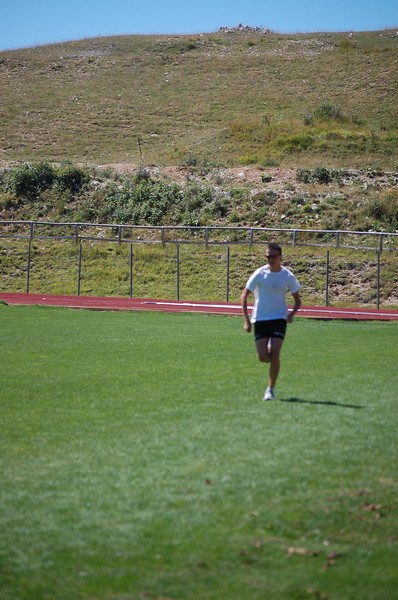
(275, 246)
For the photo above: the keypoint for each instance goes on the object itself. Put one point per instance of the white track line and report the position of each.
(321, 310)
(193, 305)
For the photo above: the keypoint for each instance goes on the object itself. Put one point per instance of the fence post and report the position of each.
(131, 270)
(79, 269)
(228, 265)
(378, 279)
(178, 269)
(31, 230)
(28, 271)
(327, 277)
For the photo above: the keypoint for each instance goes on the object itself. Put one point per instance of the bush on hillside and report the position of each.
(31, 180)
(384, 211)
(70, 178)
(317, 175)
(139, 201)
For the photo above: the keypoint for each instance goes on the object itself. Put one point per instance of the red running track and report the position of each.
(117, 303)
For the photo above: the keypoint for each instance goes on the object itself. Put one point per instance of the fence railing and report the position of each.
(79, 233)
(108, 232)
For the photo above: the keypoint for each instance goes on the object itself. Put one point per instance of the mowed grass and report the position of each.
(138, 460)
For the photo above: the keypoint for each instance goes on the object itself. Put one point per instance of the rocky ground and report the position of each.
(250, 175)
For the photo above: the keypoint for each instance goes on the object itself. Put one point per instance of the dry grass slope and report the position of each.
(228, 98)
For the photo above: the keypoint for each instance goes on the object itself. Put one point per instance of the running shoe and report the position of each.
(269, 394)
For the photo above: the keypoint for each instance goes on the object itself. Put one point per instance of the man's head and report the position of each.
(273, 250)
(273, 254)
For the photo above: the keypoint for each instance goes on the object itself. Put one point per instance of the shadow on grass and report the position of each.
(301, 401)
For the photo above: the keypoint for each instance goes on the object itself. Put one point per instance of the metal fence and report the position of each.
(79, 233)
(108, 232)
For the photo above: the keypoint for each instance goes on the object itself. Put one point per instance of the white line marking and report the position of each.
(308, 310)
(193, 305)
(345, 312)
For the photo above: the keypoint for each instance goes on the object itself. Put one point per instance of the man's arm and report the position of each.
(243, 300)
(296, 307)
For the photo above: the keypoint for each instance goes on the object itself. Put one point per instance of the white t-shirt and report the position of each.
(270, 293)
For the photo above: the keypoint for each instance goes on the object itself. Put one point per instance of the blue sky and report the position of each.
(26, 23)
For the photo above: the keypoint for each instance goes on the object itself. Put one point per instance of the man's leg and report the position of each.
(276, 346)
(263, 350)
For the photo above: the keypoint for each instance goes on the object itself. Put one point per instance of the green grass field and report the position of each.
(138, 461)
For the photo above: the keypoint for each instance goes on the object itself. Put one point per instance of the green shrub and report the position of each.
(70, 178)
(30, 180)
(265, 178)
(304, 175)
(322, 175)
(384, 210)
(318, 175)
(150, 202)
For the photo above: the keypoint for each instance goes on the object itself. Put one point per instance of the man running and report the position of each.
(270, 314)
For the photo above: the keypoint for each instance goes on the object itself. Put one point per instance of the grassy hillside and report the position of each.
(228, 98)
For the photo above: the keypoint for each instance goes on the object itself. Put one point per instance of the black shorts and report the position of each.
(275, 328)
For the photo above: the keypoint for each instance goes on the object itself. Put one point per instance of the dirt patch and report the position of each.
(275, 177)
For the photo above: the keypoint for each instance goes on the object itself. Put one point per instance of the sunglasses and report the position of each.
(272, 256)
